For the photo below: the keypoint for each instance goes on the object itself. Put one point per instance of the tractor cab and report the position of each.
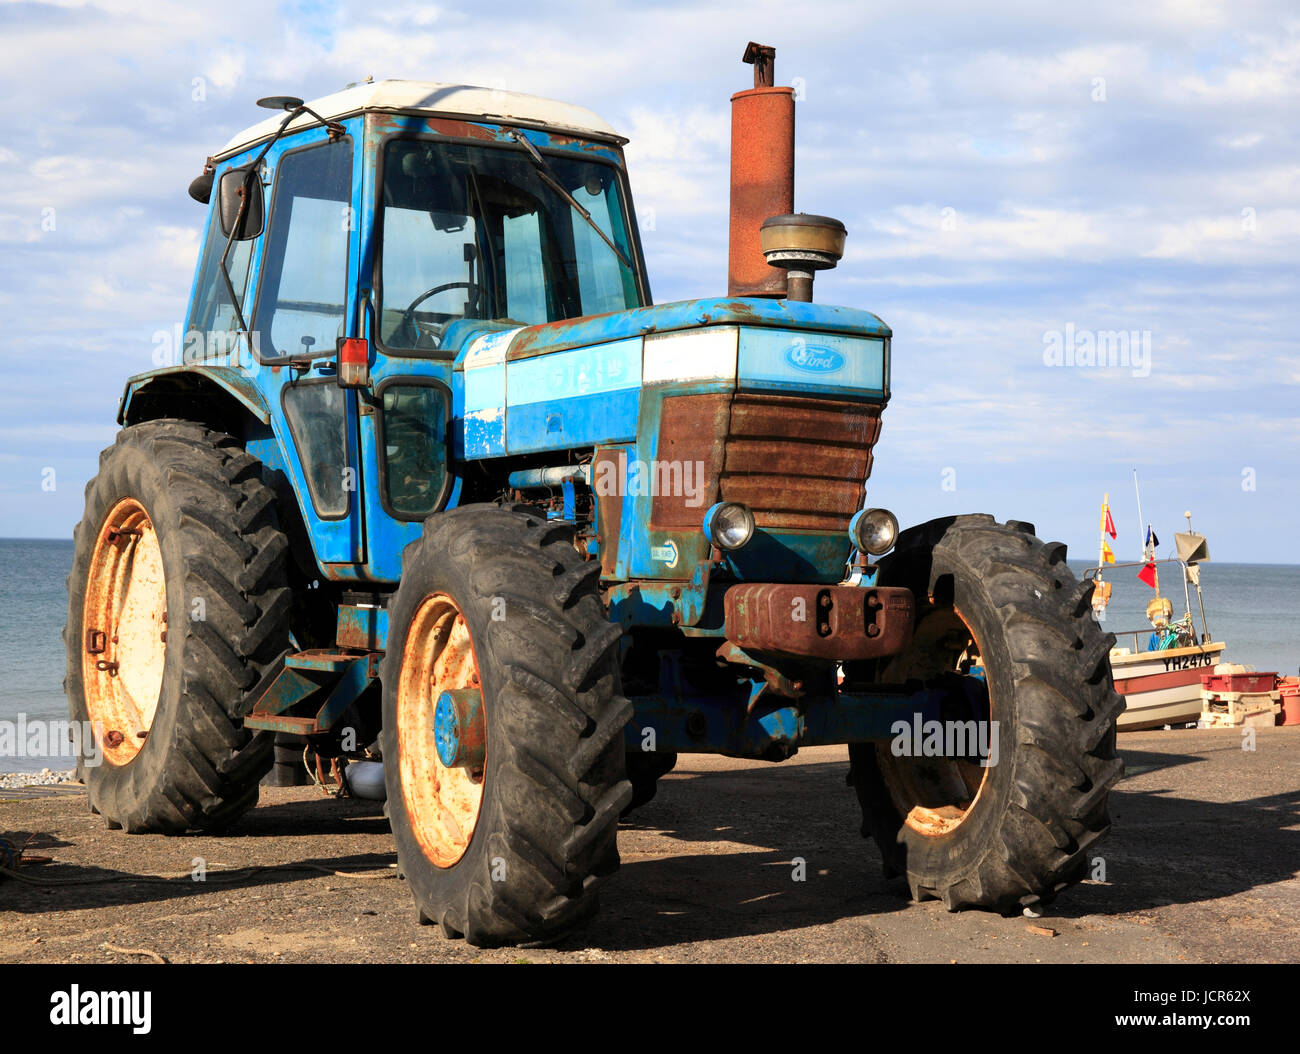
(353, 244)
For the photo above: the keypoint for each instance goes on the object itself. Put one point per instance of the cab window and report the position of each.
(213, 325)
(470, 231)
(303, 292)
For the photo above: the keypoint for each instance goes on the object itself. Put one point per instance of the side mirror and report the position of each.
(235, 184)
(201, 188)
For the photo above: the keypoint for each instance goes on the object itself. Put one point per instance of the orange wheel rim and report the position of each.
(936, 795)
(443, 803)
(124, 619)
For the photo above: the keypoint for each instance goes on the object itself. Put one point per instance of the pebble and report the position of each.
(44, 778)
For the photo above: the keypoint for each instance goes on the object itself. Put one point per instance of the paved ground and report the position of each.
(1201, 866)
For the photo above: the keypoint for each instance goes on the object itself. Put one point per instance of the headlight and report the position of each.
(728, 525)
(873, 531)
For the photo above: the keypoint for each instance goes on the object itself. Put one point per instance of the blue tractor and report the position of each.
(430, 481)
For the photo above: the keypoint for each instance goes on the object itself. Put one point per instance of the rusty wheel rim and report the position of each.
(124, 618)
(443, 803)
(935, 796)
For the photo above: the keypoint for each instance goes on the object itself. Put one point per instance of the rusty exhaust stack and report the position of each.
(762, 174)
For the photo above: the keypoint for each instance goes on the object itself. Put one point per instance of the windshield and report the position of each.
(476, 232)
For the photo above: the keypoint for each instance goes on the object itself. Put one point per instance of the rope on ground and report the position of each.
(339, 790)
(149, 952)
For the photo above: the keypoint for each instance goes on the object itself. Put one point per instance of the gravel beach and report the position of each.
(44, 778)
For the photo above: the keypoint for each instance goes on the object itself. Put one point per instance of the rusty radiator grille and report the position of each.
(797, 462)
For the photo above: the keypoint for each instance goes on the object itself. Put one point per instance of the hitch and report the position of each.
(810, 621)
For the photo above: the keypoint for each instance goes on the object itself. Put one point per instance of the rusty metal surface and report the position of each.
(124, 618)
(340, 677)
(328, 660)
(460, 728)
(692, 430)
(821, 622)
(490, 127)
(442, 803)
(609, 509)
(799, 462)
(763, 58)
(362, 626)
(762, 185)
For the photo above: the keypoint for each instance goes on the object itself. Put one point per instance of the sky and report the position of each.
(1020, 182)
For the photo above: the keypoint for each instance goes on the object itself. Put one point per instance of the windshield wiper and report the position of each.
(548, 176)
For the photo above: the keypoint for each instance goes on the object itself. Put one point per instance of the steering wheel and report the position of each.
(436, 329)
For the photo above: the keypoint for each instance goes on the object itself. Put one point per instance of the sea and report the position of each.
(1254, 608)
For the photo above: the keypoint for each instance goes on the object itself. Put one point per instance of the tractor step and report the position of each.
(298, 726)
(330, 660)
(337, 677)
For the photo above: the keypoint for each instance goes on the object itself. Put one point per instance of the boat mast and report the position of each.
(1101, 588)
(1196, 578)
(1141, 525)
(1101, 537)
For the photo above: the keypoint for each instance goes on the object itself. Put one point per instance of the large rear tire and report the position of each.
(1017, 832)
(177, 609)
(512, 848)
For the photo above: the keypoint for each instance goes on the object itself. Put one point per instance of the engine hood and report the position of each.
(529, 341)
(590, 382)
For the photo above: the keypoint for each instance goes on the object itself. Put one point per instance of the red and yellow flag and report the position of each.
(1107, 524)
(1107, 555)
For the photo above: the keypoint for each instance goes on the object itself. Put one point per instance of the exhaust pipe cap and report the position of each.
(803, 241)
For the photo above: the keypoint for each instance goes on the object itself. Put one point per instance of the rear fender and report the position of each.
(216, 395)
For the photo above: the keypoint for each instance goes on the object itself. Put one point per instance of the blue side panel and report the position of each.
(582, 421)
(572, 398)
(483, 415)
(826, 363)
(479, 400)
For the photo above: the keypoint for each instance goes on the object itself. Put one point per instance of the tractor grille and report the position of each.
(797, 462)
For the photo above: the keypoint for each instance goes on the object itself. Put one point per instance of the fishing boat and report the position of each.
(1158, 667)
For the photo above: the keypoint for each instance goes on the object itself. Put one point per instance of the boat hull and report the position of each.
(1163, 687)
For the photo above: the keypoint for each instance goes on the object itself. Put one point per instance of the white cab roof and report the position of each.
(423, 97)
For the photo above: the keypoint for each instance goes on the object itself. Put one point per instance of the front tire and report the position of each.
(512, 849)
(1018, 832)
(177, 609)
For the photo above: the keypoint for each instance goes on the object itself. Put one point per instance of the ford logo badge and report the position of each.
(813, 358)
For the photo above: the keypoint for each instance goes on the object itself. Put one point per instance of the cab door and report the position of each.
(303, 308)
(418, 263)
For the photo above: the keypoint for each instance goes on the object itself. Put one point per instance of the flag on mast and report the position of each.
(1148, 572)
(1107, 554)
(1107, 524)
